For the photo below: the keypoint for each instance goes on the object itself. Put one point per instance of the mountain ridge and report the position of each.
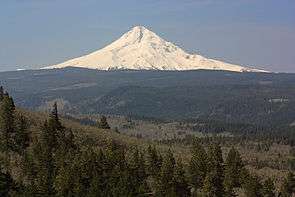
(142, 49)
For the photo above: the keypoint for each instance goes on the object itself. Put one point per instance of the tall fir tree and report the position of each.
(154, 162)
(288, 186)
(233, 171)
(180, 181)
(54, 117)
(103, 123)
(253, 187)
(99, 181)
(213, 184)
(166, 184)
(1, 93)
(46, 154)
(138, 172)
(198, 166)
(6, 184)
(22, 136)
(44, 162)
(269, 189)
(7, 128)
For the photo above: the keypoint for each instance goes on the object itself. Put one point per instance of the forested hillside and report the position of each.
(45, 155)
(240, 98)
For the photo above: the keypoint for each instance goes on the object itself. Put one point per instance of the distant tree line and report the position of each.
(52, 163)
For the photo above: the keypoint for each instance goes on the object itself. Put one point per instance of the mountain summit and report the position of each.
(142, 49)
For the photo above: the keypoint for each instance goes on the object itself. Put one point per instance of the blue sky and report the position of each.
(260, 33)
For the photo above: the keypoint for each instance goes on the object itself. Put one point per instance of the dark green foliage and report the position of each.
(54, 121)
(103, 123)
(1, 93)
(213, 184)
(6, 184)
(198, 166)
(166, 182)
(138, 171)
(180, 180)
(253, 187)
(233, 172)
(7, 110)
(55, 163)
(46, 152)
(154, 162)
(7, 129)
(288, 186)
(13, 127)
(22, 137)
(268, 188)
(44, 165)
(253, 98)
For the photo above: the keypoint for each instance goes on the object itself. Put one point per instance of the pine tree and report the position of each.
(54, 118)
(44, 154)
(181, 184)
(65, 171)
(198, 166)
(213, 184)
(6, 184)
(99, 179)
(1, 93)
(268, 188)
(7, 128)
(288, 186)
(87, 173)
(154, 162)
(30, 172)
(137, 171)
(120, 180)
(44, 165)
(233, 171)
(22, 138)
(253, 187)
(103, 123)
(166, 184)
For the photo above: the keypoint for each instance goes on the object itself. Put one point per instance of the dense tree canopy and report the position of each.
(53, 162)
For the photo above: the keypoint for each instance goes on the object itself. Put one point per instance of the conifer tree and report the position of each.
(181, 184)
(137, 171)
(99, 180)
(30, 171)
(51, 137)
(268, 188)
(233, 171)
(213, 184)
(65, 171)
(45, 165)
(103, 123)
(85, 167)
(54, 117)
(22, 138)
(1, 93)
(154, 161)
(7, 128)
(288, 186)
(198, 166)
(6, 184)
(253, 187)
(166, 184)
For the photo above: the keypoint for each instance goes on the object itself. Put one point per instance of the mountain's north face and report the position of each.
(142, 49)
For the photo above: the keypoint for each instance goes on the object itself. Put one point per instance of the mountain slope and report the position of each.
(141, 49)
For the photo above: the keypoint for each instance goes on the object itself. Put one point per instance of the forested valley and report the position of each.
(47, 155)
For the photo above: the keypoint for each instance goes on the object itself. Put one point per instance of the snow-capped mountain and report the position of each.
(142, 49)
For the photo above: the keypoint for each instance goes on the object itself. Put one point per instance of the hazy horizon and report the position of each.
(246, 32)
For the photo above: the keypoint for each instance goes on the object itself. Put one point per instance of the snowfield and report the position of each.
(142, 49)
